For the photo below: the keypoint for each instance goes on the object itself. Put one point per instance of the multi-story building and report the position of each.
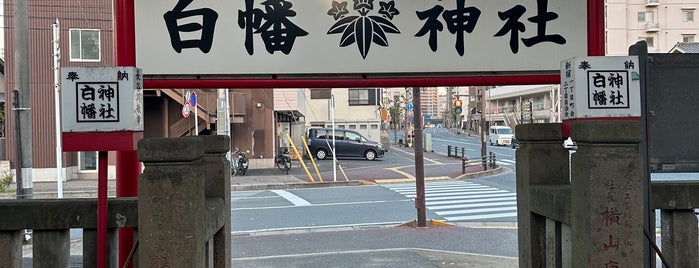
(354, 108)
(661, 23)
(87, 40)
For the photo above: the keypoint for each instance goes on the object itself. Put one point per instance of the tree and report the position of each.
(397, 110)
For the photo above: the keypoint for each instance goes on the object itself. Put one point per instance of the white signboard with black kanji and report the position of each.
(341, 37)
(101, 99)
(600, 87)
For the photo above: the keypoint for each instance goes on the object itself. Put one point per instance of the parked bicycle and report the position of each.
(283, 160)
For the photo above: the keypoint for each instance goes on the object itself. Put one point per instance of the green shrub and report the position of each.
(5, 181)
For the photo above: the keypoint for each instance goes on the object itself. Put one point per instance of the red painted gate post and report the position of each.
(128, 167)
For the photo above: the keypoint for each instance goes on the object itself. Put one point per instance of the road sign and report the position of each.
(193, 99)
(186, 109)
(409, 106)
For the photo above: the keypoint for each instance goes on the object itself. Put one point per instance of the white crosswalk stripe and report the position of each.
(464, 201)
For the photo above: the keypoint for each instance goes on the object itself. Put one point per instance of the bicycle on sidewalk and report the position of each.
(283, 161)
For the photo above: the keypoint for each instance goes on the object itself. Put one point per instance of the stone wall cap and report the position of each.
(539, 132)
(182, 149)
(216, 144)
(606, 131)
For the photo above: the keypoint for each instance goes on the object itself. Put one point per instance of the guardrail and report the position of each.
(459, 152)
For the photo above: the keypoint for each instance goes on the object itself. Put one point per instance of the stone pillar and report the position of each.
(90, 248)
(607, 194)
(679, 237)
(51, 248)
(11, 245)
(216, 170)
(541, 160)
(171, 203)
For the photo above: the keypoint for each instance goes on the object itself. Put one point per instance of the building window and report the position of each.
(364, 96)
(688, 15)
(84, 45)
(648, 39)
(688, 38)
(645, 16)
(352, 126)
(362, 126)
(321, 93)
(88, 161)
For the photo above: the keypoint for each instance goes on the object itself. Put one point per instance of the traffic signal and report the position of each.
(457, 106)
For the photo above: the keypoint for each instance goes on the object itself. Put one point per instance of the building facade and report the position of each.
(661, 23)
(86, 39)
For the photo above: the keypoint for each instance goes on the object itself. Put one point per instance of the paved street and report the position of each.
(465, 201)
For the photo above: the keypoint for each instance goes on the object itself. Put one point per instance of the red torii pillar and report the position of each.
(127, 165)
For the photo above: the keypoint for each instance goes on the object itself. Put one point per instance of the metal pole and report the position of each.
(57, 108)
(332, 118)
(21, 65)
(419, 161)
(483, 126)
(18, 134)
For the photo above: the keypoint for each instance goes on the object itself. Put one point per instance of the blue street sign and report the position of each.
(193, 98)
(409, 106)
(427, 117)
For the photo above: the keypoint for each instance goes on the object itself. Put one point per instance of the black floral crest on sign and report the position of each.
(363, 29)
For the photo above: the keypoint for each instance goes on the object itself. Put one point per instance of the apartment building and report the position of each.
(661, 23)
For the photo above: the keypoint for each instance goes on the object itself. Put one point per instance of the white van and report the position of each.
(500, 135)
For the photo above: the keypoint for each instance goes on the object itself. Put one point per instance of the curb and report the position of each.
(298, 185)
(404, 180)
(430, 223)
(478, 174)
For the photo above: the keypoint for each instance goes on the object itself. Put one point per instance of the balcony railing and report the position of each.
(652, 27)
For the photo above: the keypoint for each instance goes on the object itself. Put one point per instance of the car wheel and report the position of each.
(321, 154)
(370, 155)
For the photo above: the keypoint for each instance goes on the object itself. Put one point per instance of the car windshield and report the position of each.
(504, 131)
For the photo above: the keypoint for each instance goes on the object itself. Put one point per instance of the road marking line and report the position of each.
(485, 216)
(301, 255)
(325, 204)
(455, 206)
(470, 197)
(294, 199)
(466, 201)
(478, 210)
(426, 158)
(402, 180)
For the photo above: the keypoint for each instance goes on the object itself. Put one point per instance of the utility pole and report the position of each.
(419, 162)
(23, 109)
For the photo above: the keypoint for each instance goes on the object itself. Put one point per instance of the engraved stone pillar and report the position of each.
(607, 194)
